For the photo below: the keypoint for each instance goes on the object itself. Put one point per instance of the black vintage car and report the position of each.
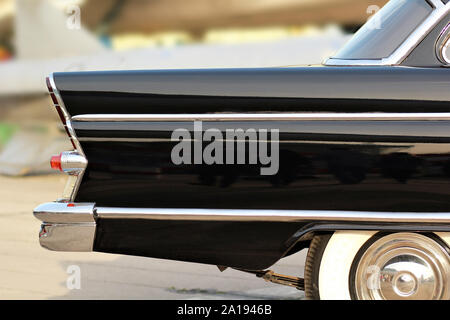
(241, 167)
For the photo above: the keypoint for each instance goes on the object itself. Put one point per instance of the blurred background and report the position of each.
(38, 37)
(42, 36)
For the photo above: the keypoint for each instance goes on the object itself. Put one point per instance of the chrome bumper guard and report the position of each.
(66, 226)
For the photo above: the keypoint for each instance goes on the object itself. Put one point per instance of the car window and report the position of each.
(386, 30)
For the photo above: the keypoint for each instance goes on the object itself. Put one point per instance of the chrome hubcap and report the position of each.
(405, 284)
(403, 266)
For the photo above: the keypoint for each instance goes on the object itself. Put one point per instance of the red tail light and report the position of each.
(55, 163)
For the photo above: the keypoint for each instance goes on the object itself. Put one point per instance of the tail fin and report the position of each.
(43, 30)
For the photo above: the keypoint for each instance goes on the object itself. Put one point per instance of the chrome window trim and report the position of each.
(79, 174)
(444, 55)
(403, 51)
(441, 45)
(444, 116)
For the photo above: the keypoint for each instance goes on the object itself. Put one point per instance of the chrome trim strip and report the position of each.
(263, 117)
(333, 62)
(65, 113)
(403, 51)
(72, 227)
(72, 134)
(442, 43)
(444, 52)
(59, 212)
(56, 212)
(271, 215)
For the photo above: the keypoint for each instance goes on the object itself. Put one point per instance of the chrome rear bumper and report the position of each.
(66, 226)
(72, 226)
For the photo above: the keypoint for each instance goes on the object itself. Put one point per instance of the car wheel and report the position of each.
(366, 265)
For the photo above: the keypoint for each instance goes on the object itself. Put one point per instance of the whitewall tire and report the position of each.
(338, 267)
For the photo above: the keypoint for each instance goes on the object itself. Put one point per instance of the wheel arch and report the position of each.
(307, 233)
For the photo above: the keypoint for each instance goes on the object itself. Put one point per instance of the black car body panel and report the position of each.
(386, 166)
(324, 165)
(314, 89)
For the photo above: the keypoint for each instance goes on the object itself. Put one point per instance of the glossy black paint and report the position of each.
(242, 245)
(335, 89)
(108, 102)
(250, 245)
(393, 166)
(324, 165)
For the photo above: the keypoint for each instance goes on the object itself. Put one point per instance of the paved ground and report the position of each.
(28, 271)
